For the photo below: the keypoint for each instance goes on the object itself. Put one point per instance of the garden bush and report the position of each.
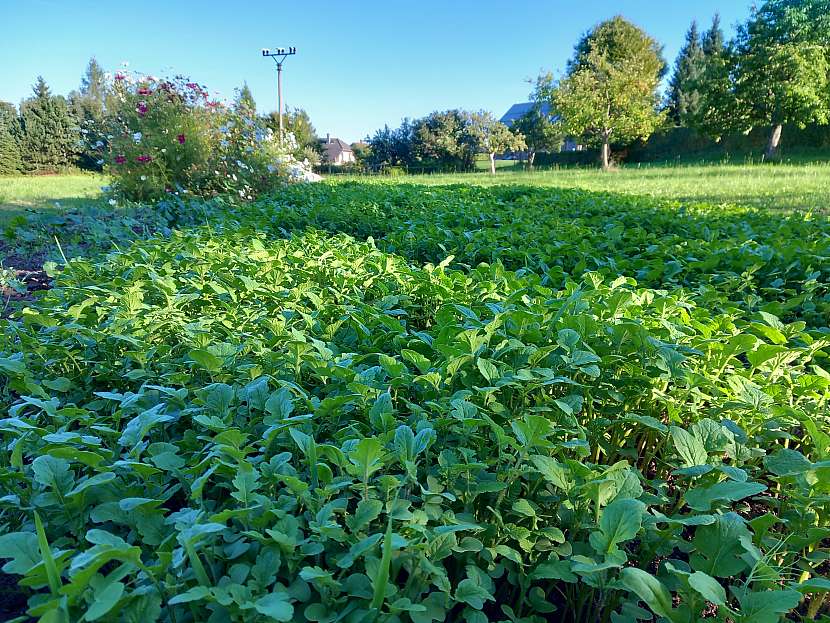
(170, 137)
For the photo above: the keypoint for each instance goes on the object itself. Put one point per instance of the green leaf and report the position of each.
(22, 548)
(553, 471)
(488, 370)
(206, 360)
(280, 404)
(620, 521)
(276, 606)
(767, 606)
(718, 547)
(689, 448)
(701, 499)
(472, 593)
(708, 587)
(650, 590)
(367, 511)
(787, 462)
(105, 600)
(52, 472)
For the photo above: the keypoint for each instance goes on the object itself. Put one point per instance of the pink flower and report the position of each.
(143, 159)
(181, 139)
(141, 109)
(144, 91)
(119, 76)
(120, 159)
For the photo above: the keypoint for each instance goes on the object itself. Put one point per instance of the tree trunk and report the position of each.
(606, 153)
(531, 156)
(492, 163)
(774, 141)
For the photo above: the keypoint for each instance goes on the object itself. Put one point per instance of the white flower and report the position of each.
(98, 143)
(143, 178)
(137, 137)
(99, 162)
(112, 202)
(164, 150)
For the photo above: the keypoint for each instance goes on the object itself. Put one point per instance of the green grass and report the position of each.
(803, 187)
(46, 192)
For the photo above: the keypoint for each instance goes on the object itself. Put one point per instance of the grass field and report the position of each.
(783, 186)
(803, 187)
(46, 192)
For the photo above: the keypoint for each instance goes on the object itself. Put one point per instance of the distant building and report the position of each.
(521, 109)
(336, 151)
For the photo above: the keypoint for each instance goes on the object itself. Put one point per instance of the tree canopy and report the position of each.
(782, 66)
(49, 132)
(610, 89)
(683, 94)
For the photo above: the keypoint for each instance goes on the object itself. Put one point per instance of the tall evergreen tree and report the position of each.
(49, 133)
(9, 148)
(712, 41)
(245, 100)
(683, 96)
(90, 101)
(91, 104)
(717, 111)
(9, 152)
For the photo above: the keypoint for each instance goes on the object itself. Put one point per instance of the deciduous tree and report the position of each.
(489, 136)
(609, 91)
(782, 71)
(540, 132)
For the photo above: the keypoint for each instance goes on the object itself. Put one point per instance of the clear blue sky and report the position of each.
(360, 63)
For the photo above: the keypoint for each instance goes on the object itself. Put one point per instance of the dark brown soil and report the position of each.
(12, 599)
(34, 280)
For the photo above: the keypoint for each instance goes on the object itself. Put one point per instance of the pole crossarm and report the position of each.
(279, 55)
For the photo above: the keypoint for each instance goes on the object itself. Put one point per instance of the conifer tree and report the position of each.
(49, 133)
(9, 149)
(684, 96)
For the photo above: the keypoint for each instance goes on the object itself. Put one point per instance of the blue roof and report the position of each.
(518, 110)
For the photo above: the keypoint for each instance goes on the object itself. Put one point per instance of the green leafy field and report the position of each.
(399, 402)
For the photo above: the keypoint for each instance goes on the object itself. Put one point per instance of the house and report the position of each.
(521, 109)
(336, 151)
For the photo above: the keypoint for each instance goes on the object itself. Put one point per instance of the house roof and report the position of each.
(518, 110)
(334, 146)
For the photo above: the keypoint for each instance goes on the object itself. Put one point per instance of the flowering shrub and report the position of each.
(170, 137)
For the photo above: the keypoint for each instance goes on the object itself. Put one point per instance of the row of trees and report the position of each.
(50, 132)
(42, 135)
(444, 140)
(774, 72)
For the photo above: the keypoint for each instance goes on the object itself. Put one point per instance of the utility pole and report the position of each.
(279, 55)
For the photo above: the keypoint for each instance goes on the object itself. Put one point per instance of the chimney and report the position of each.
(328, 139)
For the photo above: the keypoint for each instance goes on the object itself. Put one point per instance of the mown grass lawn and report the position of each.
(46, 192)
(799, 186)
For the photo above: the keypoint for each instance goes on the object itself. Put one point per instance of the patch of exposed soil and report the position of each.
(34, 280)
(12, 599)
